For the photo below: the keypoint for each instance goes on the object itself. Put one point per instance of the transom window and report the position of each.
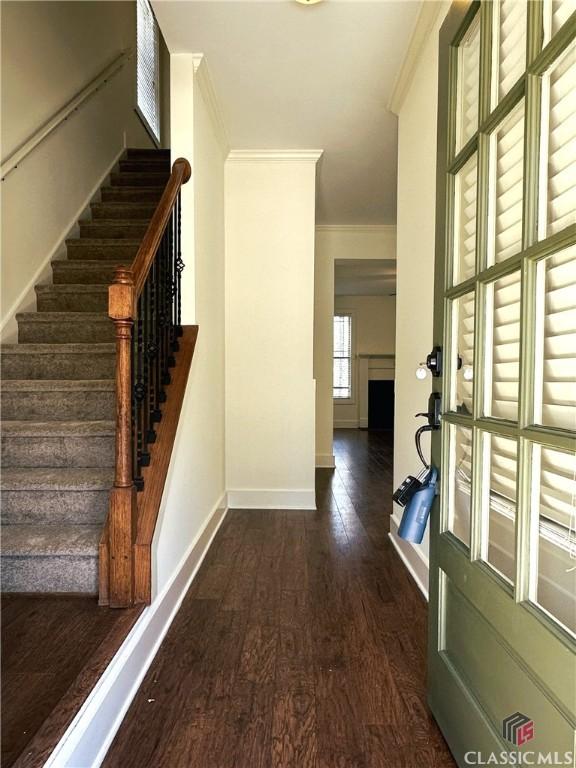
(510, 297)
(148, 68)
(342, 357)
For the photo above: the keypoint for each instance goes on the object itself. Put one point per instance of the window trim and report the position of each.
(352, 399)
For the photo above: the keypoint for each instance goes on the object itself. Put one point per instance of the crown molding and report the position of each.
(359, 229)
(276, 155)
(428, 15)
(204, 81)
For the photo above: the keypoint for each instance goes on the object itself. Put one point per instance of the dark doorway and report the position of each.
(380, 405)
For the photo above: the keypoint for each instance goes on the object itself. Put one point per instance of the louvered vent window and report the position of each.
(342, 357)
(502, 455)
(148, 68)
(559, 145)
(468, 84)
(465, 223)
(507, 180)
(504, 296)
(463, 319)
(510, 49)
(555, 386)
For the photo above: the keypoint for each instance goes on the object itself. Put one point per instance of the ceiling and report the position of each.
(291, 76)
(365, 277)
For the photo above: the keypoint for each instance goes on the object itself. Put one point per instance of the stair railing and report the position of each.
(144, 302)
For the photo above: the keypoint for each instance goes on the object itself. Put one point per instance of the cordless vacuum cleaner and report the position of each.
(416, 494)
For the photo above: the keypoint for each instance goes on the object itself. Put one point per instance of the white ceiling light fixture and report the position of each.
(308, 2)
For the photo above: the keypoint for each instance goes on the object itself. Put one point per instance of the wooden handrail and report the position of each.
(12, 162)
(162, 323)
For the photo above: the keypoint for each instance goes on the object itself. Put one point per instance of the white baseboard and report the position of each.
(345, 423)
(26, 300)
(271, 499)
(414, 560)
(325, 461)
(363, 423)
(89, 736)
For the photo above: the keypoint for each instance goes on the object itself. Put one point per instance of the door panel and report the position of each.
(503, 533)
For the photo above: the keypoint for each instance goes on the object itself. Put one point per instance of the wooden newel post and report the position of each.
(122, 514)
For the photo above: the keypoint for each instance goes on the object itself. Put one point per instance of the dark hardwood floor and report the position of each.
(301, 643)
(53, 651)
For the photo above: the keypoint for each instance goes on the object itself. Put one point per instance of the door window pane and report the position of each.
(462, 354)
(509, 45)
(507, 176)
(503, 347)
(468, 84)
(460, 487)
(556, 13)
(555, 384)
(558, 150)
(554, 499)
(465, 221)
(499, 503)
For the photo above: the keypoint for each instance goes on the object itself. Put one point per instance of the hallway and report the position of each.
(300, 644)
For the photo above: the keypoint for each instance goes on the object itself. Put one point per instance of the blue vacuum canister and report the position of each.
(416, 513)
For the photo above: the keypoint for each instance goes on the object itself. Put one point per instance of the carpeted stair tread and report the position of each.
(131, 194)
(122, 210)
(56, 479)
(72, 297)
(70, 317)
(113, 228)
(71, 348)
(58, 428)
(50, 540)
(64, 327)
(59, 385)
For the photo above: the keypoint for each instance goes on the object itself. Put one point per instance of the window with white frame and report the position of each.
(148, 68)
(342, 357)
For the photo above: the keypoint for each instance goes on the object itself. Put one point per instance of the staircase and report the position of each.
(58, 395)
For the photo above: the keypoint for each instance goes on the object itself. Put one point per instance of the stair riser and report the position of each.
(118, 211)
(52, 573)
(138, 179)
(68, 273)
(94, 365)
(85, 451)
(97, 229)
(145, 165)
(127, 195)
(58, 406)
(30, 332)
(79, 251)
(52, 301)
(146, 152)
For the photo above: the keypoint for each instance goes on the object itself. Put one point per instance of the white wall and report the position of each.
(50, 50)
(415, 266)
(374, 331)
(195, 488)
(332, 243)
(270, 208)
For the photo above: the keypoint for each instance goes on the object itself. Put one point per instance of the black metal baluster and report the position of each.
(179, 267)
(150, 434)
(139, 394)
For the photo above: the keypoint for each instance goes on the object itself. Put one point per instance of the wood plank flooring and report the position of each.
(301, 643)
(53, 651)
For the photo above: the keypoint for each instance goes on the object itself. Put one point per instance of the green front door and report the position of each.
(502, 665)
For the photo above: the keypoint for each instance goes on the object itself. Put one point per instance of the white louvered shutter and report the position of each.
(505, 347)
(342, 356)
(510, 44)
(555, 393)
(465, 223)
(508, 183)
(148, 67)
(557, 12)
(468, 84)
(559, 144)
